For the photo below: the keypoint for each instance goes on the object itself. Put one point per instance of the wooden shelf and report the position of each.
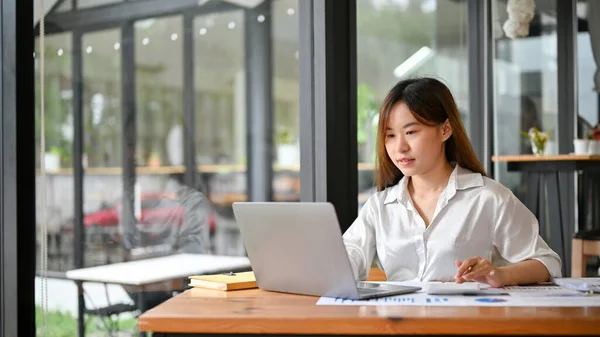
(162, 170)
(559, 157)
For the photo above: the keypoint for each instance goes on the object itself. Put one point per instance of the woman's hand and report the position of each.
(479, 270)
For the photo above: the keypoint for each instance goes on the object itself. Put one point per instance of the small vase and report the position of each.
(581, 146)
(538, 149)
(593, 146)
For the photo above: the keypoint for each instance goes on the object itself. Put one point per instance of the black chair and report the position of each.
(172, 234)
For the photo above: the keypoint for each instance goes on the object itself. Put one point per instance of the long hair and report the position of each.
(431, 103)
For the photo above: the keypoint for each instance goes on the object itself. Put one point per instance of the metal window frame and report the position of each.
(566, 45)
(78, 170)
(113, 15)
(258, 57)
(481, 88)
(17, 182)
(189, 101)
(328, 145)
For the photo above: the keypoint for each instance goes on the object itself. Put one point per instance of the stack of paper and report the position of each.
(581, 284)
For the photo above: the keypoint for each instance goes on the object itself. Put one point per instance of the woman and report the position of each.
(436, 215)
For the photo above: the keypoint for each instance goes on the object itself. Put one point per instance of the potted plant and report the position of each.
(287, 152)
(154, 159)
(52, 159)
(538, 140)
(594, 140)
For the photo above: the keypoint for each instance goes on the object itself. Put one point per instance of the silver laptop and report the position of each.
(297, 248)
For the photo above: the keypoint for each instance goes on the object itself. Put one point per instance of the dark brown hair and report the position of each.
(431, 102)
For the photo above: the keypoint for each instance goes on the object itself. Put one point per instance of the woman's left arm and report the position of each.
(516, 236)
(525, 272)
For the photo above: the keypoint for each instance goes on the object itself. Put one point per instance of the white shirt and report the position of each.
(475, 216)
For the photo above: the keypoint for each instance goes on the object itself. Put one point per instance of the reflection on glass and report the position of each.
(58, 146)
(102, 145)
(588, 57)
(525, 88)
(286, 184)
(220, 139)
(587, 92)
(159, 92)
(171, 216)
(398, 40)
(159, 213)
(220, 83)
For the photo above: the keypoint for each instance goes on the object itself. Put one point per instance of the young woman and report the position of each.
(436, 215)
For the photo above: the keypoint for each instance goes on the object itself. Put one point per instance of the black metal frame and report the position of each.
(329, 156)
(259, 102)
(78, 171)
(566, 36)
(113, 15)
(308, 141)
(17, 162)
(129, 131)
(189, 101)
(481, 88)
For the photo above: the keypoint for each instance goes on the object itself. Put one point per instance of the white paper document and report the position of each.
(580, 283)
(517, 296)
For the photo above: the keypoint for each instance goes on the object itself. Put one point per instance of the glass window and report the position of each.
(159, 91)
(158, 213)
(286, 184)
(58, 111)
(398, 40)
(221, 87)
(220, 139)
(101, 59)
(588, 86)
(525, 89)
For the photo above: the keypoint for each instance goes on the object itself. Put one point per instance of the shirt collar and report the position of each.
(460, 179)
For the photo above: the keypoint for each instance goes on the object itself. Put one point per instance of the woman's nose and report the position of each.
(401, 144)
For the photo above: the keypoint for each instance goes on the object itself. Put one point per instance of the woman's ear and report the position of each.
(446, 130)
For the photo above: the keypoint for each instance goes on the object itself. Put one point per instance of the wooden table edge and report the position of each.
(374, 326)
(534, 158)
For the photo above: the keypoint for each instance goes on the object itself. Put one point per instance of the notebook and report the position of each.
(228, 281)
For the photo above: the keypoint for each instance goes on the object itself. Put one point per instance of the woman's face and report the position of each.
(413, 147)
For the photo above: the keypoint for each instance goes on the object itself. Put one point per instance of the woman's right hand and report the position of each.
(479, 270)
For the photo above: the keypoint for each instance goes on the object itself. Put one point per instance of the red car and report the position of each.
(156, 209)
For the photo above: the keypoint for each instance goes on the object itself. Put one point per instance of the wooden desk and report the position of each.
(199, 312)
(546, 176)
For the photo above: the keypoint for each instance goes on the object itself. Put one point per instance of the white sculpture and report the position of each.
(520, 14)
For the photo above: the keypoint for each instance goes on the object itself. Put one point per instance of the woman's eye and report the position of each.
(389, 136)
(411, 132)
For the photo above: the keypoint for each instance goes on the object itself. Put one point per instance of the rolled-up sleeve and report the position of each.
(516, 236)
(359, 241)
